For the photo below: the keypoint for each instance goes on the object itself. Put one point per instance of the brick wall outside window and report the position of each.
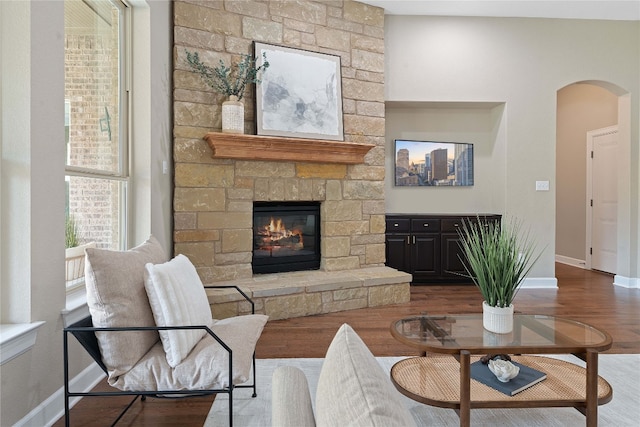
(91, 88)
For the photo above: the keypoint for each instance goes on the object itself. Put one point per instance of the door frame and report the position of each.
(591, 135)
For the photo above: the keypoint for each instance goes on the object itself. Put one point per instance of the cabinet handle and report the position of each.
(414, 240)
(396, 225)
(425, 225)
(408, 241)
(456, 225)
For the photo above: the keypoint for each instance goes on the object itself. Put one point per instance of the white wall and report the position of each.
(32, 198)
(161, 131)
(523, 63)
(16, 105)
(152, 196)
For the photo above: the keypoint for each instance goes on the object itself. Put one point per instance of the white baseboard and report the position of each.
(52, 409)
(571, 261)
(540, 283)
(627, 282)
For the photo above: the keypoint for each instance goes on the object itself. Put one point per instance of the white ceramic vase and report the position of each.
(497, 319)
(233, 115)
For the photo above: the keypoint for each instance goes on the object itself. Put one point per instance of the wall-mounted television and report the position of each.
(433, 164)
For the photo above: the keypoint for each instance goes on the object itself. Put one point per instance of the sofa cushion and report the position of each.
(353, 390)
(207, 366)
(177, 298)
(290, 398)
(116, 297)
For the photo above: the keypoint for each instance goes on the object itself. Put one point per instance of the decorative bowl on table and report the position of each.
(503, 370)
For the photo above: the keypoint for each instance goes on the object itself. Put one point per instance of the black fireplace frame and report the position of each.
(266, 265)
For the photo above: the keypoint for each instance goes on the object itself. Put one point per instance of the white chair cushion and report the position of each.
(353, 390)
(177, 298)
(206, 367)
(116, 297)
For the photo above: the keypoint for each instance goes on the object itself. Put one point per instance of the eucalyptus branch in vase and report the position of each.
(229, 80)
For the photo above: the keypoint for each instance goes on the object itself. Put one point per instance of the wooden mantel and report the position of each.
(274, 148)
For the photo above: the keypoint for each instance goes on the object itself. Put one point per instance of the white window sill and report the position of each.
(76, 307)
(17, 338)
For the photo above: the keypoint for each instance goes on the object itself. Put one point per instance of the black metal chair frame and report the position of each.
(84, 332)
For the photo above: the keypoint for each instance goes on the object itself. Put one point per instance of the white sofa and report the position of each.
(353, 390)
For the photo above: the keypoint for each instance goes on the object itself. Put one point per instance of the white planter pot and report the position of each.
(233, 115)
(74, 262)
(497, 319)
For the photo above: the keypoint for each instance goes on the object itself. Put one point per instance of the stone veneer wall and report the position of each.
(213, 198)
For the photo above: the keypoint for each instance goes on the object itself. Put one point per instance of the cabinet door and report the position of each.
(425, 257)
(451, 263)
(398, 253)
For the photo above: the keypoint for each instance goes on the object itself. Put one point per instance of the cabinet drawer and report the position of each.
(397, 225)
(425, 225)
(453, 224)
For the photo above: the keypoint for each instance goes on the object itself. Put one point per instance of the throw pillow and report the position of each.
(353, 390)
(116, 298)
(177, 298)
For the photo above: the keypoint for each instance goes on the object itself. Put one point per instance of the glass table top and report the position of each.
(531, 334)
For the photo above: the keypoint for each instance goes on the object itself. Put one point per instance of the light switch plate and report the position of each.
(542, 185)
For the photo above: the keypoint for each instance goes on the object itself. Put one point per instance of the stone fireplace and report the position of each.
(286, 237)
(219, 178)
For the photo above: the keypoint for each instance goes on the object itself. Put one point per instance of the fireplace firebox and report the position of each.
(286, 236)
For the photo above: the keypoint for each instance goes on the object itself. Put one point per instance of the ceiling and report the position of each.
(628, 10)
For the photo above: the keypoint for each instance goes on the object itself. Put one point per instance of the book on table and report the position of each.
(525, 379)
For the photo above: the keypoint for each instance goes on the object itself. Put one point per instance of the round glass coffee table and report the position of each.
(446, 381)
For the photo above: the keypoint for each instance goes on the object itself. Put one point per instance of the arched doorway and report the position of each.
(584, 107)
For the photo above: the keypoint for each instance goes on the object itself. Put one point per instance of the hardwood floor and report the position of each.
(582, 295)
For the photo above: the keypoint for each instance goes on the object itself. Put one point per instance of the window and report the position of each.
(97, 174)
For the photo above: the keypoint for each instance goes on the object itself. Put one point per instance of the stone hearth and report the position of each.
(305, 293)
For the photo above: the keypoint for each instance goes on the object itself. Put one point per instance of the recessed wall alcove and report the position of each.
(482, 124)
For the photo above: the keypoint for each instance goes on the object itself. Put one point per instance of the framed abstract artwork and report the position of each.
(300, 94)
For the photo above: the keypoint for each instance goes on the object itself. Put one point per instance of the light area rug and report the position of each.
(621, 371)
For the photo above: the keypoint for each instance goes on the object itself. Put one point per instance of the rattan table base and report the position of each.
(436, 382)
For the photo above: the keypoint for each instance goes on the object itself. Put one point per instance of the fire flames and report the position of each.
(275, 234)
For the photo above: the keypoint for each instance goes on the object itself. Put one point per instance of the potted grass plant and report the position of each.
(497, 258)
(232, 82)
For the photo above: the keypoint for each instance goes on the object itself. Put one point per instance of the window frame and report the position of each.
(122, 176)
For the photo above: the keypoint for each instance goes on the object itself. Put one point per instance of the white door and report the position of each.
(602, 216)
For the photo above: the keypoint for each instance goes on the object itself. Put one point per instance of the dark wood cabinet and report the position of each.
(426, 256)
(427, 246)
